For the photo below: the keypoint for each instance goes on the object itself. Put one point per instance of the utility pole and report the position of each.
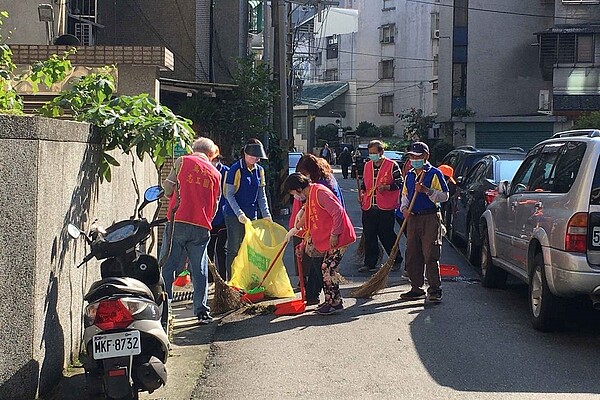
(278, 13)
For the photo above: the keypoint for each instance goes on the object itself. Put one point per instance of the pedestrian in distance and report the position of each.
(423, 224)
(448, 173)
(379, 197)
(199, 186)
(318, 171)
(244, 190)
(328, 230)
(326, 153)
(345, 159)
(218, 234)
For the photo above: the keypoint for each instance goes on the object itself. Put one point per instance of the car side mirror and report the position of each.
(503, 188)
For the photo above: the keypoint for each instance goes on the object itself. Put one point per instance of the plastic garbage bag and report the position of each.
(262, 241)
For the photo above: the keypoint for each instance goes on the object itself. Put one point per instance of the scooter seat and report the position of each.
(118, 286)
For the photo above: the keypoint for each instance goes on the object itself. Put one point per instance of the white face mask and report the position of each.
(301, 197)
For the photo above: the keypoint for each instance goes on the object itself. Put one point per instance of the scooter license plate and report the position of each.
(119, 344)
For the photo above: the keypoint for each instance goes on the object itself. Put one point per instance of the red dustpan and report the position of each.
(449, 271)
(295, 306)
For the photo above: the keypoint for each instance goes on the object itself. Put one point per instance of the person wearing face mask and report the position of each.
(319, 171)
(244, 189)
(423, 224)
(379, 197)
(218, 234)
(328, 228)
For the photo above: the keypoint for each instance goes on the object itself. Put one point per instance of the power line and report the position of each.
(182, 59)
(522, 14)
(187, 32)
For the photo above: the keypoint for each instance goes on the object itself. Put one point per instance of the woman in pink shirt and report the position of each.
(328, 230)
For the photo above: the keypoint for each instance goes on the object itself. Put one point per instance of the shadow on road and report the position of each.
(501, 352)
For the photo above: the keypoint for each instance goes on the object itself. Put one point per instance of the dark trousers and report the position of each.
(423, 248)
(311, 270)
(345, 170)
(217, 251)
(378, 225)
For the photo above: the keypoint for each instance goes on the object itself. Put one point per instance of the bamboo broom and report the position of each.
(360, 250)
(225, 298)
(379, 280)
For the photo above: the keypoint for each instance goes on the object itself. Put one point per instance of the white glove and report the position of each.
(292, 232)
(270, 219)
(243, 219)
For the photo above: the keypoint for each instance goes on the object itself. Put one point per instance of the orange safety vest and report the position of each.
(387, 200)
(320, 222)
(199, 188)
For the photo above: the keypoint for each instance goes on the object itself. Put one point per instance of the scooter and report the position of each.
(126, 318)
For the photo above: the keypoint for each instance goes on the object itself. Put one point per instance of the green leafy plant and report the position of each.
(463, 112)
(367, 129)
(417, 124)
(130, 123)
(387, 130)
(588, 121)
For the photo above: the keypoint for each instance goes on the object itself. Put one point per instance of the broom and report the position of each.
(225, 298)
(360, 250)
(379, 280)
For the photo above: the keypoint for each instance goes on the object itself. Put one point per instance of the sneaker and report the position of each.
(312, 302)
(204, 318)
(328, 309)
(413, 294)
(435, 297)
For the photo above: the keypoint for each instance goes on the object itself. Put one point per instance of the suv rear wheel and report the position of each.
(542, 303)
(491, 275)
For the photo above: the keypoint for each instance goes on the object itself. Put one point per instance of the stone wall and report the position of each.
(47, 180)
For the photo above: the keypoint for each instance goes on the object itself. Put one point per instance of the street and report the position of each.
(477, 344)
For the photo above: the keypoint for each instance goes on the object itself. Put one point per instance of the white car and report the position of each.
(293, 159)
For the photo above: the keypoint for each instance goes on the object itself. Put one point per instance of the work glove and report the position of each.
(243, 219)
(292, 232)
(270, 219)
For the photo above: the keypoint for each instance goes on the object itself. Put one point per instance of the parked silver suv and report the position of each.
(544, 227)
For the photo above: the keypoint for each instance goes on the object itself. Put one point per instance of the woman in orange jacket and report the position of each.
(328, 230)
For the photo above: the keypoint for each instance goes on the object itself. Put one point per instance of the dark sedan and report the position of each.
(474, 192)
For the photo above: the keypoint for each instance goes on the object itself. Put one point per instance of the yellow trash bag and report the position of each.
(262, 241)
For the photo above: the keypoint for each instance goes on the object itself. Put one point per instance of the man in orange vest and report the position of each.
(379, 197)
(199, 191)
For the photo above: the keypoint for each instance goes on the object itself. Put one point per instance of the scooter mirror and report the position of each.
(153, 193)
(73, 231)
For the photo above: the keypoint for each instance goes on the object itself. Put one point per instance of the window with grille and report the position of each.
(82, 17)
(566, 48)
(386, 69)
(387, 33)
(386, 105)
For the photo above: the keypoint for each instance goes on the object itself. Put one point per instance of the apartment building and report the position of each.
(569, 59)
(396, 59)
(489, 80)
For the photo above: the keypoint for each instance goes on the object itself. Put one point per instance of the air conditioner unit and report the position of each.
(544, 100)
(435, 34)
(84, 33)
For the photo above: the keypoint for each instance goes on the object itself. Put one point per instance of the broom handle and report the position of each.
(272, 264)
(410, 207)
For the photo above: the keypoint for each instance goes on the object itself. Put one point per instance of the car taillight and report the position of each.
(112, 314)
(490, 195)
(576, 236)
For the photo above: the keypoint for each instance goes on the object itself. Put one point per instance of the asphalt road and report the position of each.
(477, 344)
